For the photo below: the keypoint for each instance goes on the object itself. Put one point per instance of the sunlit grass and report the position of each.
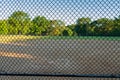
(13, 38)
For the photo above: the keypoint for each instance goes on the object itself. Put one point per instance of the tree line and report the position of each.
(19, 23)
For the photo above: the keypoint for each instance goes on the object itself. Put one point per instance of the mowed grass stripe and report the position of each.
(13, 38)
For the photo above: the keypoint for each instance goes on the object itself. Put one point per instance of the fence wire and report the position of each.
(60, 38)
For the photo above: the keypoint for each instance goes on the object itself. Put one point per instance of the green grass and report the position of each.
(12, 38)
(82, 37)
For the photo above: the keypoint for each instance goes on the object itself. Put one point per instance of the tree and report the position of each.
(3, 27)
(57, 31)
(19, 23)
(40, 25)
(58, 27)
(102, 27)
(72, 28)
(82, 26)
(116, 30)
(67, 32)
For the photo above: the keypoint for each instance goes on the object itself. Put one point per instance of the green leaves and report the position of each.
(19, 23)
(40, 24)
(3, 27)
(82, 26)
(103, 26)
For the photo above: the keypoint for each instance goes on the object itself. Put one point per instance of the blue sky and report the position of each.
(66, 10)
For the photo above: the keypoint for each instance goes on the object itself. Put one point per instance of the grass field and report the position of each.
(12, 38)
(68, 55)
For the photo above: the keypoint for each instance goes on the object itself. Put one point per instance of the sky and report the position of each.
(66, 10)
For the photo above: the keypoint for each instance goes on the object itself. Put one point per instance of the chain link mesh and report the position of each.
(75, 37)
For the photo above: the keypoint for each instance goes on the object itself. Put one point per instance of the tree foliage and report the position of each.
(3, 27)
(40, 25)
(102, 26)
(20, 23)
(82, 26)
(116, 29)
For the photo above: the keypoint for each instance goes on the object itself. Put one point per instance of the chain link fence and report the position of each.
(79, 38)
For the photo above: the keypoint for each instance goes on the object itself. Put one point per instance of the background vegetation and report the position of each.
(19, 23)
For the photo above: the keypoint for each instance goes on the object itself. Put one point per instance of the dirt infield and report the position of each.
(61, 57)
